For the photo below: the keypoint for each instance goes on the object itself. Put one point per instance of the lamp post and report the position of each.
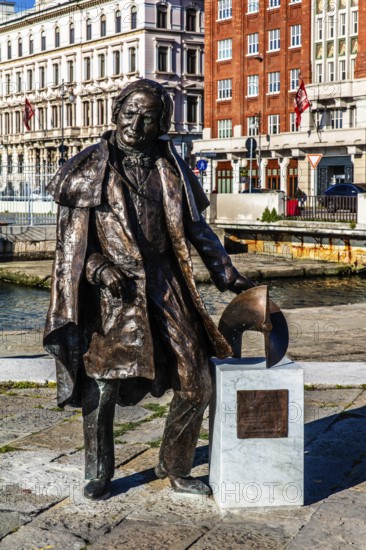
(256, 125)
(71, 98)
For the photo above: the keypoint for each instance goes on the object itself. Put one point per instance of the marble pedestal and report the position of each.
(264, 466)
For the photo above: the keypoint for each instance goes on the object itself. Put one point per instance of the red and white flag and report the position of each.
(28, 113)
(301, 103)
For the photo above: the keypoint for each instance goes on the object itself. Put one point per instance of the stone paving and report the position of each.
(41, 482)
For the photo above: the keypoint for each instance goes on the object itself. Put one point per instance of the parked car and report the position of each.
(338, 196)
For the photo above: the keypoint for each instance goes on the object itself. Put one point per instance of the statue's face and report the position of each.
(138, 119)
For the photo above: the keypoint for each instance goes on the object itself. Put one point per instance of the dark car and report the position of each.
(342, 196)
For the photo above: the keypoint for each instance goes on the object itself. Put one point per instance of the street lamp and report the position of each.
(71, 98)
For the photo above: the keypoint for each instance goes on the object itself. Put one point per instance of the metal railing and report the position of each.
(27, 210)
(322, 208)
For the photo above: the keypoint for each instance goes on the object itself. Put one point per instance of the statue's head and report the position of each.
(142, 112)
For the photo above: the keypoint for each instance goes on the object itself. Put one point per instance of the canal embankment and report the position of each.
(259, 267)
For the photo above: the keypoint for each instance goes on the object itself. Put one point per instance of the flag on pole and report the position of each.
(301, 103)
(28, 113)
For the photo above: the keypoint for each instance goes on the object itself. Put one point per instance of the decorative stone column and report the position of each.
(263, 167)
(283, 173)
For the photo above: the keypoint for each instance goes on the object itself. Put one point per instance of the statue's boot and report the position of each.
(186, 484)
(98, 489)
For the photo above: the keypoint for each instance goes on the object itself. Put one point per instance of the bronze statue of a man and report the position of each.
(125, 316)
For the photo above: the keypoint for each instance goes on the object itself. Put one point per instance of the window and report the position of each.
(18, 78)
(69, 114)
(253, 6)
(331, 71)
(163, 59)
(274, 124)
(10, 158)
(101, 65)
(319, 72)
(54, 117)
(20, 47)
(354, 22)
(191, 17)
(252, 83)
(192, 61)
(161, 17)
(29, 80)
(103, 25)
(43, 41)
(319, 29)
(132, 60)
(41, 118)
(88, 29)
(295, 35)
(42, 77)
(87, 68)
(70, 71)
(252, 126)
(224, 49)
(274, 41)
(342, 24)
(9, 49)
(192, 110)
(71, 33)
(57, 37)
(86, 113)
(7, 85)
(20, 156)
(225, 89)
(56, 74)
(336, 119)
(342, 70)
(253, 43)
(225, 128)
(294, 79)
(116, 62)
(274, 82)
(134, 17)
(274, 3)
(353, 117)
(225, 9)
(100, 112)
(117, 22)
(331, 26)
(31, 44)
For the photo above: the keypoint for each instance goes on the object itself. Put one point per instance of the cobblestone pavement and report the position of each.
(41, 482)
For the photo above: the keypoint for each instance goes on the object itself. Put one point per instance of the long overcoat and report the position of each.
(125, 351)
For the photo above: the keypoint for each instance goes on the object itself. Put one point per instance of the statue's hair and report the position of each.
(154, 88)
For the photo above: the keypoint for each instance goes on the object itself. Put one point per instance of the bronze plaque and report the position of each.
(262, 413)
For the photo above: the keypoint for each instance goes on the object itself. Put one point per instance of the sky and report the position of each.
(21, 5)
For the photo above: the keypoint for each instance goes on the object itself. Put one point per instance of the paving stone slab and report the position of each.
(10, 521)
(244, 536)
(31, 538)
(148, 431)
(63, 437)
(31, 420)
(130, 414)
(123, 453)
(130, 535)
(337, 524)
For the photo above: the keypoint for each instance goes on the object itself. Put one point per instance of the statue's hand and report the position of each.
(119, 285)
(241, 283)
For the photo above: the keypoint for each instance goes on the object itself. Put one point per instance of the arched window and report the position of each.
(161, 17)
(9, 49)
(134, 17)
(117, 21)
(57, 37)
(103, 25)
(43, 41)
(88, 29)
(31, 43)
(20, 47)
(71, 33)
(191, 17)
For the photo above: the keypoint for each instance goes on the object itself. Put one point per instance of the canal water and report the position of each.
(26, 307)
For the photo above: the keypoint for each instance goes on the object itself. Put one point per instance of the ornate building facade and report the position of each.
(70, 58)
(256, 55)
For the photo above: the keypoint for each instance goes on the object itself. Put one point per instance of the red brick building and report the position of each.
(256, 52)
